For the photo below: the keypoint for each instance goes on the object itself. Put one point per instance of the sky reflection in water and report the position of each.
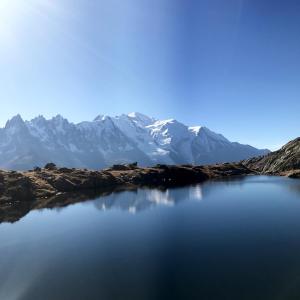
(236, 239)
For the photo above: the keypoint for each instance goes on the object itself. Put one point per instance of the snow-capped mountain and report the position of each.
(110, 140)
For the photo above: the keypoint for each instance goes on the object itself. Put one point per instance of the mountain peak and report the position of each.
(59, 117)
(14, 121)
(167, 123)
(141, 118)
(15, 125)
(38, 119)
(137, 115)
(17, 118)
(99, 118)
(195, 129)
(202, 131)
(111, 140)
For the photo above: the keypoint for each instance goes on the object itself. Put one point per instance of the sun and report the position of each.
(14, 14)
(10, 13)
(7, 9)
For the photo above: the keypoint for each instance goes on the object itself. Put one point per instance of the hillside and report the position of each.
(285, 160)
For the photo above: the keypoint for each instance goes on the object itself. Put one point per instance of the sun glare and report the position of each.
(8, 9)
(15, 13)
(9, 16)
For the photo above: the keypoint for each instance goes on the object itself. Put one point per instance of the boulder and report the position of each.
(50, 166)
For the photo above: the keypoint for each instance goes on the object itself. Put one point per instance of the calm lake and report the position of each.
(237, 239)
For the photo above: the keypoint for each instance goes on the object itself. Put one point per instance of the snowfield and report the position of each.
(109, 140)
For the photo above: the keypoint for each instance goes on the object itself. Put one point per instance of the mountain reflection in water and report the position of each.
(141, 199)
(132, 200)
(224, 239)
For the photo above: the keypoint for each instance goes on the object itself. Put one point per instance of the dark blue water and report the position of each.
(237, 239)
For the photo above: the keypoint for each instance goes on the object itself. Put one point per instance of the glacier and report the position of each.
(108, 140)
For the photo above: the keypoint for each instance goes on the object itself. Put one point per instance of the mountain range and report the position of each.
(113, 140)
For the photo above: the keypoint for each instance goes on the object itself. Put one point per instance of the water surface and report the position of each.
(237, 239)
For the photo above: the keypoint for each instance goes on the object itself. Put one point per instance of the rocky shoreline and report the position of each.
(52, 186)
(43, 183)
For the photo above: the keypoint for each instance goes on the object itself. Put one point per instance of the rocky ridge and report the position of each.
(285, 161)
(51, 186)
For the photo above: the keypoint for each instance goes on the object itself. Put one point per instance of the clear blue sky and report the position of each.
(232, 65)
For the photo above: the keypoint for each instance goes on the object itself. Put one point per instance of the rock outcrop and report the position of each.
(51, 186)
(285, 161)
